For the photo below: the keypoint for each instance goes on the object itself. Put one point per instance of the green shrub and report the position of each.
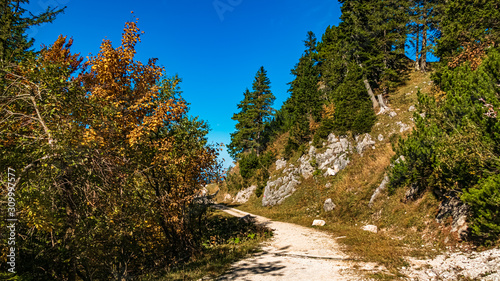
(456, 146)
(484, 200)
(248, 164)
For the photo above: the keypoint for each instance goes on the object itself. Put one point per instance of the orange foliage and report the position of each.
(472, 52)
(128, 90)
(59, 53)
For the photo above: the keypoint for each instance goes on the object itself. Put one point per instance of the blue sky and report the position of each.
(216, 46)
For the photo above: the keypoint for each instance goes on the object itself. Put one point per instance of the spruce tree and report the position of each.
(424, 17)
(14, 42)
(466, 22)
(304, 103)
(256, 111)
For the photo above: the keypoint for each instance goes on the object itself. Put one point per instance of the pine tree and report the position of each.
(466, 22)
(304, 103)
(388, 23)
(256, 111)
(424, 21)
(14, 42)
(358, 40)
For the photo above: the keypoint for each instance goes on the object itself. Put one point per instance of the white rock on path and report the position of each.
(318, 223)
(403, 127)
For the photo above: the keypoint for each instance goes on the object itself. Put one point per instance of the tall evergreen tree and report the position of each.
(256, 111)
(466, 22)
(358, 46)
(14, 42)
(375, 34)
(304, 103)
(424, 21)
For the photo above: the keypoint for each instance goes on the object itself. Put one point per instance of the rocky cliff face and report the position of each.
(329, 162)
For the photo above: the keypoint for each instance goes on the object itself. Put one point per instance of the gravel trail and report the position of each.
(294, 253)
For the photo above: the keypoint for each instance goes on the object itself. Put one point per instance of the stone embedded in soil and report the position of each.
(371, 228)
(318, 223)
(329, 206)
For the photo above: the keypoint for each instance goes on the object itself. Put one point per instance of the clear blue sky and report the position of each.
(216, 47)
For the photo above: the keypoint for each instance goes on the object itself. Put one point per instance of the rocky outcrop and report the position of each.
(453, 207)
(456, 266)
(244, 195)
(280, 164)
(329, 162)
(318, 223)
(334, 159)
(278, 190)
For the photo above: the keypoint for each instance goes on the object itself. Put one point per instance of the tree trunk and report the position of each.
(423, 56)
(370, 93)
(417, 51)
(381, 101)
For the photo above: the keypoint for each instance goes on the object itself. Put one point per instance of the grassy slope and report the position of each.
(404, 228)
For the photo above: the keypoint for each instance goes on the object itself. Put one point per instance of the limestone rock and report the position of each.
(379, 189)
(392, 114)
(380, 137)
(329, 206)
(305, 168)
(278, 190)
(457, 266)
(402, 126)
(318, 223)
(330, 162)
(371, 228)
(280, 164)
(412, 108)
(244, 195)
(228, 197)
(364, 143)
(329, 172)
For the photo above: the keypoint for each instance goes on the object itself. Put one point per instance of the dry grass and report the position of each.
(404, 228)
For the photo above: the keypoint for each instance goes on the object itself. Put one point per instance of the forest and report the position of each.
(343, 83)
(107, 164)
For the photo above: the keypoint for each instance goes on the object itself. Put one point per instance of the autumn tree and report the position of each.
(108, 162)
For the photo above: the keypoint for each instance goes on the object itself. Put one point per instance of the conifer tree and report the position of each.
(256, 110)
(424, 18)
(466, 22)
(304, 103)
(14, 42)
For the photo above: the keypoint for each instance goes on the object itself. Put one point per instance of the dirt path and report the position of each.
(294, 253)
